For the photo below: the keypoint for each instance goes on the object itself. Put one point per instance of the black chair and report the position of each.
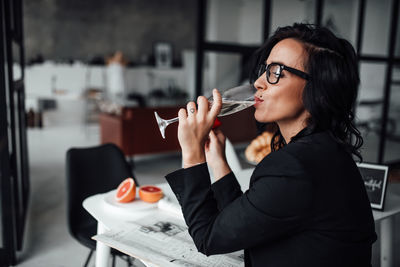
(91, 171)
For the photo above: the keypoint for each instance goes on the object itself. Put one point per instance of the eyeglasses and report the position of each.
(274, 71)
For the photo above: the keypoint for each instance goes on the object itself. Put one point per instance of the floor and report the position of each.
(47, 241)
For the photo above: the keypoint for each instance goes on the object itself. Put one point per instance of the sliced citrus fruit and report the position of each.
(150, 193)
(126, 191)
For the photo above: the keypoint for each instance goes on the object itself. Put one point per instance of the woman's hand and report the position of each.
(194, 128)
(215, 154)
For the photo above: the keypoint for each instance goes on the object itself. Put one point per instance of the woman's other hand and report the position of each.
(215, 154)
(194, 128)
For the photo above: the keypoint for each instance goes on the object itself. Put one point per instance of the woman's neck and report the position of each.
(291, 128)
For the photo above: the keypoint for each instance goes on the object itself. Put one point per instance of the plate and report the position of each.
(135, 205)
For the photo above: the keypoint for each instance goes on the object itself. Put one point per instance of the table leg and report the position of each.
(387, 231)
(102, 250)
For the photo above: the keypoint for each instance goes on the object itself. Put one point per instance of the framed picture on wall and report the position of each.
(163, 54)
(375, 181)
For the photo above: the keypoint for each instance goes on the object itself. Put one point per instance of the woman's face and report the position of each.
(282, 102)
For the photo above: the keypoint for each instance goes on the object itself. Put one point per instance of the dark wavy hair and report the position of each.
(329, 96)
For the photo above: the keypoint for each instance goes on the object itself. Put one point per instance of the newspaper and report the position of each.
(162, 239)
(171, 205)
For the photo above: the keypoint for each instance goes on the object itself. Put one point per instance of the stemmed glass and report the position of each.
(233, 100)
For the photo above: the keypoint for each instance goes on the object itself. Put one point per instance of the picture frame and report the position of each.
(375, 180)
(163, 54)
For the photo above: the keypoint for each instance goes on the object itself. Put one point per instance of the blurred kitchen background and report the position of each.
(83, 73)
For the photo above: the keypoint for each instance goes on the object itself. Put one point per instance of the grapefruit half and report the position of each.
(126, 191)
(150, 193)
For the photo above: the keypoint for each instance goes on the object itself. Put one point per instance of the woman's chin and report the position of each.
(260, 117)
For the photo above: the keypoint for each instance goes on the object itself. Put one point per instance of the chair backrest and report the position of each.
(91, 171)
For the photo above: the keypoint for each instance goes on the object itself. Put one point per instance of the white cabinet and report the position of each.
(51, 80)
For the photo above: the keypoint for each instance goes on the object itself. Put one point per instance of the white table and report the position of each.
(109, 218)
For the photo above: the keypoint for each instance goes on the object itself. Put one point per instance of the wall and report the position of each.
(251, 20)
(64, 29)
(377, 25)
(241, 22)
(231, 21)
(223, 17)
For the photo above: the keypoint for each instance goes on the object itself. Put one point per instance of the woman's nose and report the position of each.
(261, 82)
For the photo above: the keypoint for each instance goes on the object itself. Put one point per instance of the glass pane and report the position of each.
(234, 21)
(392, 145)
(221, 71)
(286, 12)
(17, 71)
(369, 108)
(17, 157)
(341, 17)
(375, 39)
(397, 49)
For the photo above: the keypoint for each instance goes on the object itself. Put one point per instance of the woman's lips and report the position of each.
(257, 101)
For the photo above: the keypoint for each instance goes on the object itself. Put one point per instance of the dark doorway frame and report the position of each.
(14, 167)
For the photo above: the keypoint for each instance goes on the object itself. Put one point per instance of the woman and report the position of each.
(306, 204)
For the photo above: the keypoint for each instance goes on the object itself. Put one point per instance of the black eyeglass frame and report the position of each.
(282, 67)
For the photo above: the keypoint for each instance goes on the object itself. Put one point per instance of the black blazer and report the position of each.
(306, 206)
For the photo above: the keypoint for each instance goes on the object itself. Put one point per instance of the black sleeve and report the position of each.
(273, 207)
(226, 190)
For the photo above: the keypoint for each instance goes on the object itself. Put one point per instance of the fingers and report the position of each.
(202, 103)
(212, 136)
(201, 117)
(182, 115)
(191, 108)
(220, 136)
(217, 136)
(217, 104)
